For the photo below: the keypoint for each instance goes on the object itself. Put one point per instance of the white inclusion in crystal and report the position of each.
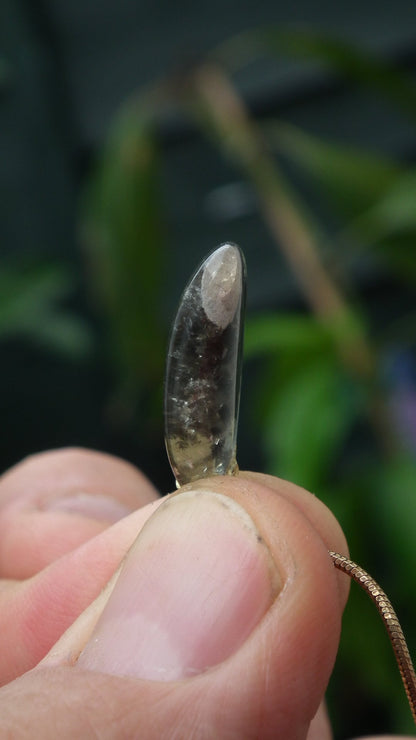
(221, 285)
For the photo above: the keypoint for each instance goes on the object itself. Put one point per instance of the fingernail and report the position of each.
(91, 505)
(195, 584)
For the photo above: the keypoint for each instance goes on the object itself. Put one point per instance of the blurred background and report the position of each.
(134, 138)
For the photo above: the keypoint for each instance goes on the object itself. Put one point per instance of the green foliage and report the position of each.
(393, 495)
(338, 55)
(394, 213)
(308, 420)
(29, 308)
(122, 219)
(353, 180)
(278, 332)
(311, 406)
(352, 63)
(372, 194)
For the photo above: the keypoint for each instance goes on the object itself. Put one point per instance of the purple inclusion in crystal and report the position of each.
(203, 371)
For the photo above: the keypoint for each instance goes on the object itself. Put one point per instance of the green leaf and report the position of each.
(393, 213)
(354, 63)
(61, 333)
(23, 290)
(389, 227)
(124, 238)
(353, 180)
(28, 298)
(394, 495)
(398, 252)
(339, 55)
(307, 423)
(276, 332)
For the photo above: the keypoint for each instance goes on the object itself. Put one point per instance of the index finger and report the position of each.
(53, 502)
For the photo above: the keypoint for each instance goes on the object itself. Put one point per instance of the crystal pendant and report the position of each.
(202, 389)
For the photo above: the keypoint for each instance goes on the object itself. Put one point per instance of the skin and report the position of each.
(68, 519)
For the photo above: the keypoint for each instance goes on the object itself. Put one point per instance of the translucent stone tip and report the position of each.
(221, 285)
(203, 369)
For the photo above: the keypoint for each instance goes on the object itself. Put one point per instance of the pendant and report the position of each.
(203, 373)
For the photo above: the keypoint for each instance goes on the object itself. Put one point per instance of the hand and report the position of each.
(220, 620)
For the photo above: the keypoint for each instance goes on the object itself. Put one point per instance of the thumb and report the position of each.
(223, 621)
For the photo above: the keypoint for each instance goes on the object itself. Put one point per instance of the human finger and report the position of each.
(53, 502)
(223, 622)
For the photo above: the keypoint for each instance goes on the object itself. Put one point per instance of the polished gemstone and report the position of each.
(203, 369)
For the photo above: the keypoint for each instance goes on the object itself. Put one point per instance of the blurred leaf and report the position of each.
(339, 55)
(25, 290)
(123, 226)
(354, 180)
(395, 212)
(398, 252)
(349, 60)
(271, 332)
(62, 333)
(395, 503)
(307, 422)
(27, 308)
(392, 490)
(390, 225)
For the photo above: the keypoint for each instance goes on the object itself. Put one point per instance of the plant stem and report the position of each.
(223, 111)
